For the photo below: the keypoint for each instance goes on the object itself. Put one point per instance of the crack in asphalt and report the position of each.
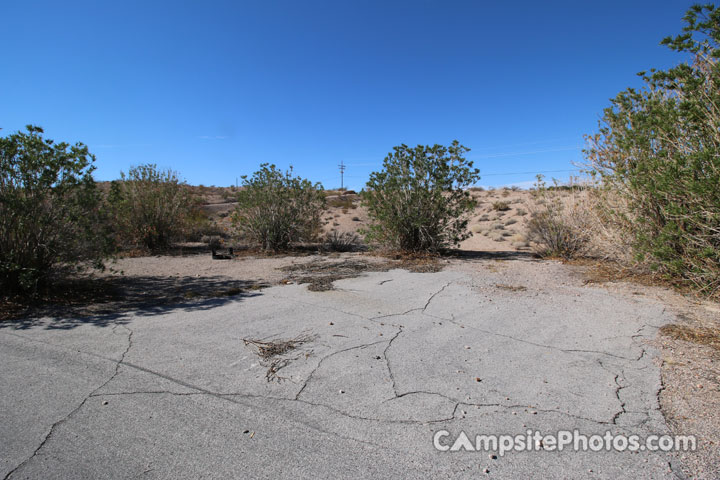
(52, 428)
(387, 360)
(235, 397)
(622, 402)
(310, 375)
(521, 340)
(432, 297)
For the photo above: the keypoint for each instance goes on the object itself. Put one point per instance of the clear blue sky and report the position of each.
(212, 89)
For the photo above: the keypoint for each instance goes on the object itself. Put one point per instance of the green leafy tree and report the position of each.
(276, 209)
(50, 210)
(659, 148)
(151, 207)
(419, 201)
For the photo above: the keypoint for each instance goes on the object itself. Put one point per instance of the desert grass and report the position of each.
(695, 334)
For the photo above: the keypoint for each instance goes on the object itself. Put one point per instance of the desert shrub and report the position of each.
(276, 209)
(501, 206)
(560, 226)
(215, 242)
(151, 207)
(418, 202)
(343, 202)
(342, 241)
(554, 236)
(50, 210)
(198, 224)
(658, 149)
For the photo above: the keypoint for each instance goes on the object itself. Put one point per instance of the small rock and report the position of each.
(246, 431)
(342, 391)
(331, 323)
(377, 357)
(493, 456)
(105, 402)
(467, 347)
(486, 471)
(478, 379)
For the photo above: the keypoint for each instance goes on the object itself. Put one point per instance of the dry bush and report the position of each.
(199, 225)
(342, 241)
(215, 242)
(343, 202)
(269, 349)
(578, 222)
(150, 207)
(501, 206)
(559, 225)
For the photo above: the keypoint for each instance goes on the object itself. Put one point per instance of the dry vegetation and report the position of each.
(272, 353)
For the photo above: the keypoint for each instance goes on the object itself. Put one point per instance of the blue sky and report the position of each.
(212, 89)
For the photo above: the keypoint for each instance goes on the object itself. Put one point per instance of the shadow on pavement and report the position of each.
(108, 300)
(486, 255)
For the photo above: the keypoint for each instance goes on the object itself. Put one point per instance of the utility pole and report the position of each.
(342, 175)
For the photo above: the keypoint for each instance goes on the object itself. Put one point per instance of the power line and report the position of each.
(528, 173)
(342, 174)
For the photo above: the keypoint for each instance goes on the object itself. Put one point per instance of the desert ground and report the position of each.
(498, 223)
(335, 365)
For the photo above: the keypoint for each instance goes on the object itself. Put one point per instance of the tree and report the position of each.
(50, 210)
(150, 207)
(276, 209)
(659, 148)
(419, 201)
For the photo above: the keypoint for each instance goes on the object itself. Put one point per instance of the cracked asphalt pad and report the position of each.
(394, 356)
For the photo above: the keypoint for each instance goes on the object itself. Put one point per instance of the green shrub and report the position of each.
(276, 209)
(151, 207)
(50, 212)
(419, 201)
(659, 149)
